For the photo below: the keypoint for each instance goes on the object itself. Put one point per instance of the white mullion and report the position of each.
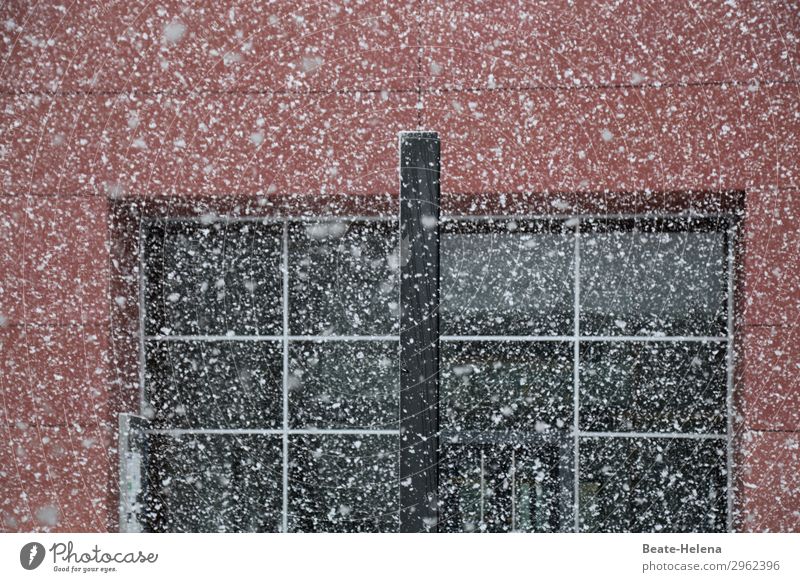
(585, 338)
(653, 435)
(282, 219)
(216, 431)
(352, 431)
(506, 338)
(272, 338)
(730, 357)
(272, 431)
(448, 338)
(576, 376)
(285, 383)
(445, 218)
(345, 338)
(566, 217)
(215, 338)
(653, 338)
(142, 320)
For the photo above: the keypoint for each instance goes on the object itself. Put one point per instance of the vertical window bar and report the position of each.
(577, 379)
(285, 375)
(731, 355)
(419, 330)
(142, 314)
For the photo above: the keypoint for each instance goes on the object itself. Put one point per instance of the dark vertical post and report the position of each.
(419, 330)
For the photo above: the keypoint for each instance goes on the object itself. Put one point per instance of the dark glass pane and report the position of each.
(667, 485)
(344, 385)
(507, 278)
(344, 278)
(214, 483)
(650, 281)
(344, 483)
(226, 384)
(497, 487)
(213, 279)
(507, 385)
(653, 387)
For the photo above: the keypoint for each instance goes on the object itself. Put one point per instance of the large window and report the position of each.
(585, 374)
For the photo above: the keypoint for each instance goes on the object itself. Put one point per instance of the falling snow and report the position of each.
(199, 227)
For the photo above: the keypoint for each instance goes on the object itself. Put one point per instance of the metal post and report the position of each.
(419, 330)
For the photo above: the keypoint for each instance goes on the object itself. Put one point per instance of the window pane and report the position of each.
(344, 385)
(650, 281)
(214, 483)
(653, 387)
(343, 483)
(505, 385)
(507, 278)
(343, 278)
(496, 487)
(226, 384)
(637, 485)
(213, 279)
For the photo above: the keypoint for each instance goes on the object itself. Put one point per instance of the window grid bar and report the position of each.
(448, 338)
(285, 379)
(577, 375)
(464, 437)
(581, 338)
(586, 216)
(515, 436)
(274, 219)
(652, 435)
(272, 431)
(731, 359)
(272, 338)
(444, 217)
(142, 320)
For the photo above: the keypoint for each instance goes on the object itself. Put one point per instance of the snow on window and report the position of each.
(584, 374)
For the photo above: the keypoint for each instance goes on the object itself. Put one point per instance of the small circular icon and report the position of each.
(31, 555)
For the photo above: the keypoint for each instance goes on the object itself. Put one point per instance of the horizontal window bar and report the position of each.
(272, 338)
(277, 432)
(507, 338)
(270, 219)
(214, 338)
(652, 435)
(467, 436)
(505, 436)
(211, 219)
(448, 338)
(451, 436)
(590, 338)
(652, 338)
(563, 216)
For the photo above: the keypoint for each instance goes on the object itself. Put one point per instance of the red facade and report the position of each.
(120, 109)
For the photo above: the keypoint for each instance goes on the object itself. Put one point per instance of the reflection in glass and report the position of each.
(653, 387)
(506, 385)
(344, 483)
(214, 483)
(343, 278)
(506, 279)
(646, 282)
(227, 384)
(344, 385)
(642, 485)
(213, 279)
